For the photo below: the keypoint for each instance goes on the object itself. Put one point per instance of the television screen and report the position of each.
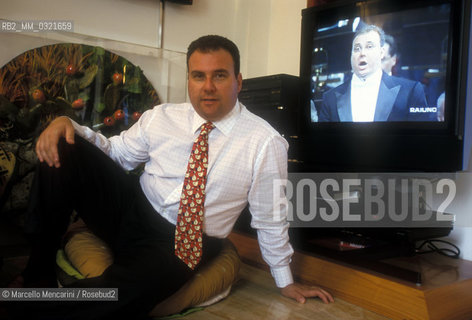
(384, 85)
(381, 67)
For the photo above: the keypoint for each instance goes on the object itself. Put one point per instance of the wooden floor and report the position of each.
(255, 296)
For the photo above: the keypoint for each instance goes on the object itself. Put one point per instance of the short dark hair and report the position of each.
(209, 43)
(366, 28)
(392, 45)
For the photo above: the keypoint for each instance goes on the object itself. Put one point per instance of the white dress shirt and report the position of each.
(364, 94)
(245, 156)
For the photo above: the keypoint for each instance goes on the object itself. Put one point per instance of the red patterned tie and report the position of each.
(188, 231)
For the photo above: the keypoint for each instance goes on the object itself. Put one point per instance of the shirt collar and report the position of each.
(372, 80)
(224, 125)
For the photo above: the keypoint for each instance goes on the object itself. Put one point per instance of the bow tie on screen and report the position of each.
(188, 231)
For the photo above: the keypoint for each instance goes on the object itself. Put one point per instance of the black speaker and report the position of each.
(274, 98)
(186, 2)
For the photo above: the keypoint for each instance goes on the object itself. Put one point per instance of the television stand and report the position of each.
(371, 259)
(445, 291)
(356, 250)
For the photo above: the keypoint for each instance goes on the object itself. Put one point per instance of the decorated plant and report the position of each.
(95, 87)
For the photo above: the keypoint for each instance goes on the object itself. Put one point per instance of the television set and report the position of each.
(432, 38)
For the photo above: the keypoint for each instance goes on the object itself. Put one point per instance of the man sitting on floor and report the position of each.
(234, 158)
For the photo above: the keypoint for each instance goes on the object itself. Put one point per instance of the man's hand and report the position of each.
(300, 292)
(46, 147)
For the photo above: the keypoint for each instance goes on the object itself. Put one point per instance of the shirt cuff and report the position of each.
(282, 276)
(78, 128)
(86, 133)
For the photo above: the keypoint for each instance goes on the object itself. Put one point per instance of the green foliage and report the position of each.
(88, 77)
(112, 97)
(84, 82)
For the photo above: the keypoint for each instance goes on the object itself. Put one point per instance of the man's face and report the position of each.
(388, 61)
(367, 54)
(212, 85)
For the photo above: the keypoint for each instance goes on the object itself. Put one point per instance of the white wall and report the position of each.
(284, 37)
(267, 32)
(134, 21)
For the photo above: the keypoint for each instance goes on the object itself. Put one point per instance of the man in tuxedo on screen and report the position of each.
(371, 94)
(390, 58)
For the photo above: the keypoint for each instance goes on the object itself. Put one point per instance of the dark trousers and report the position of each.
(112, 204)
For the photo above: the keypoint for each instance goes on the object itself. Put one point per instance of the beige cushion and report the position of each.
(88, 254)
(91, 256)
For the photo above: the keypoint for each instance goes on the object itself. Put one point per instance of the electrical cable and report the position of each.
(453, 252)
